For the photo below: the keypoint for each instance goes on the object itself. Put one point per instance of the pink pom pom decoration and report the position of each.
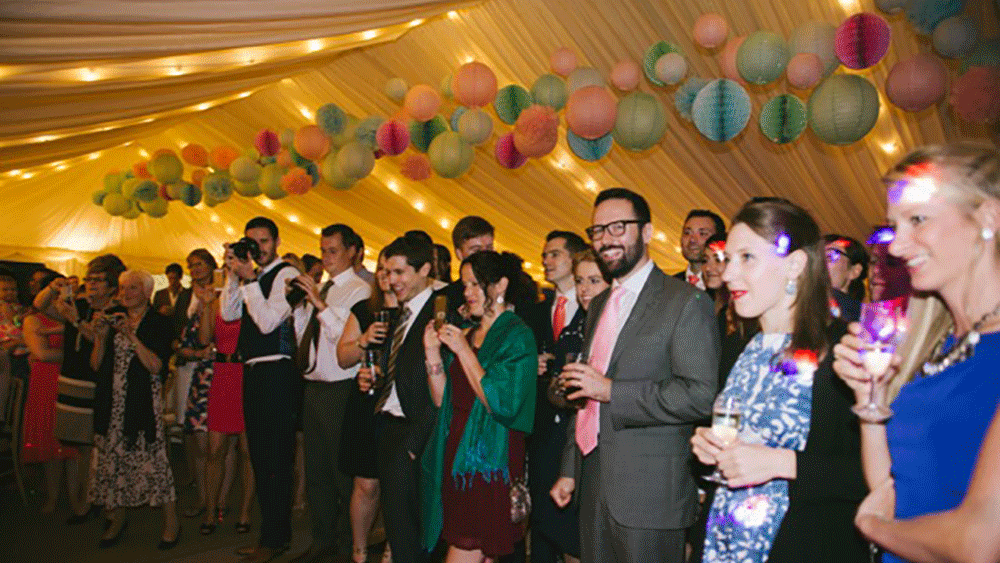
(422, 102)
(727, 60)
(862, 40)
(710, 31)
(625, 76)
(563, 61)
(267, 143)
(591, 112)
(392, 137)
(311, 143)
(804, 71)
(536, 131)
(974, 95)
(917, 83)
(474, 85)
(416, 167)
(507, 154)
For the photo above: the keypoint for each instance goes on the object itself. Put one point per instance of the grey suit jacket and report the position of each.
(665, 375)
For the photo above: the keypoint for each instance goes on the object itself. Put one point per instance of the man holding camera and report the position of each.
(272, 388)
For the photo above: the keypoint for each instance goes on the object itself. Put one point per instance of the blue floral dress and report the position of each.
(777, 406)
(196, 413)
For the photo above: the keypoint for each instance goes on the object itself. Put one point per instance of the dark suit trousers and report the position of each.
(272, 397)
(603, 540)
(327, 489)
(399, 478)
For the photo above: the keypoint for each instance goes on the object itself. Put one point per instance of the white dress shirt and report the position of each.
(347, 290)
(392, 405)
(701, 278)
(268, 313)
(571, 306)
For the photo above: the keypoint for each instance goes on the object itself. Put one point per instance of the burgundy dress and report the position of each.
(478, 517)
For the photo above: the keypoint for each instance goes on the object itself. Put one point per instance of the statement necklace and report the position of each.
(962, 351)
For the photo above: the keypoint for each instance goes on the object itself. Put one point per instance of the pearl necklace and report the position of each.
(962, 351)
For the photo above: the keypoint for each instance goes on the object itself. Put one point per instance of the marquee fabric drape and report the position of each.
(150, 110)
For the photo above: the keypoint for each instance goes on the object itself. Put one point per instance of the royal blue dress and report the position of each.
(937, 429)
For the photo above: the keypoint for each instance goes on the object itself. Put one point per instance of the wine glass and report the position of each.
(883, 326)
(726, 413)
(372, 360)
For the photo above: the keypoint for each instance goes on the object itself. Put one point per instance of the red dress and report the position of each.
(39, 443)
(478, 516)
(225, 396)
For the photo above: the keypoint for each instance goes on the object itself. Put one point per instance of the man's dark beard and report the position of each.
(628, 261)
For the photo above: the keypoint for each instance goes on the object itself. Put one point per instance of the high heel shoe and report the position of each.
(164, 545)
(105, 543)
(359, 555)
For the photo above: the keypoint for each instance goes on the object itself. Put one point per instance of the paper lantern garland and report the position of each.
(721, 110)
(640, 123)
(862, 40)
(510, 101)
(843, 109)
(762, 58)
(783, 118)
(653, 54)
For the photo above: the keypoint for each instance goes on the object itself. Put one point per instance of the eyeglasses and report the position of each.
(833, 254)
(614, 228)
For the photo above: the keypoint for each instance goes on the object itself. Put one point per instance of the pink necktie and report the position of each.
(605, 335)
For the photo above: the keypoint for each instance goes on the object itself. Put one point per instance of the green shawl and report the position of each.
(510, 362)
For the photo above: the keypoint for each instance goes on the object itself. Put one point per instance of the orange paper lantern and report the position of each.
(474, 85)
(591, 112)
(221, 157)
(311, 143)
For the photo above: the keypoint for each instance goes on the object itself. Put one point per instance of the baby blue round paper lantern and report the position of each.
(955, 37)
(587, 149)
(475, 126)
(218, 187)
(762, 58)
(550, 90)
(925, 15)
(653, 54)
(843, 109)
(684, 97)
(423, 132)
(450, 156)
(640, 122)
(455, 116)
(367, 131)
(783, 118)
(721, 110)
(330, 119)
(510, 101)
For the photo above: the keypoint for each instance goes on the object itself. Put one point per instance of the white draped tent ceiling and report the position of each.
(88, 86)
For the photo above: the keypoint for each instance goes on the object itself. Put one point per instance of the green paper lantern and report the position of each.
(475, 126)
(113, 181)
(510, 101)
(783, 118)
(346, 134)
(166, 168)
(245, 169)
(450, 156)
(115, 203)
(640, 123)
(139, 189)
(762, 58)
(550, 90)
(445, 87)
(843, 109)
(217, 187)
(133, 211)
(653, 54)
(156, 208)
(355, 160)
(423, 132)
(270, 177)
(332, 174)
(190, 194)
(818, 38)
(98, 197)
(247, 189)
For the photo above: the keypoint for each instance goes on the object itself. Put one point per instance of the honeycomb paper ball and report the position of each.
(475, 126)
(710, 30)
(727, 60)
(217, 187)
(625, 75)
(422, 102)
(155, 208)
(330, 119)
(416, 167)
(653, 54)
(296, 181)
(762, 58)
(783, 118)
(392, 137)
(396, 89)
(423, 132)
(195, 155)
(671, 68)
(166, 168)
(974, 95)
(474, 85)
(266, 143)
(140, 189)
(189, 194)
(590, 150)
(804, 71)
(818, 38)
(355, 160)
(245, 169)
(640, 123)
(115, 204)
(449, 155)
(843, 109)
(550, 90)
(563, 61)
(955, 37)
(721, 110)
(510, 101)
(221, 157)
(583, 77)
(366, 132)
(311, 143)
(917, 83)
(141, 170)
(590, 112)
(536, 131)
(507, 154)
(862, 40)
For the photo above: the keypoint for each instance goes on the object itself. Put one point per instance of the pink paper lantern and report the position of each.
(862, 40)
(804, 71)
(392, 137)
(974, 95)
(917, 83)
(311, 143)
(474, 85)
(591, 112)
(625, 76)
(267, 142)
(536, 131)
(727, 60)
(416, 167)
(507, 154)
(563, 61)
(710, 30)
(422, 102)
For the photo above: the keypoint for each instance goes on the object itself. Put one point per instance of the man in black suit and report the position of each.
(470, 235)
(699, 226)
(404, 402)
(173, 300)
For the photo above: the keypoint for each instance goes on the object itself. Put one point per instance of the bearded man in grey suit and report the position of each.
(652, 372)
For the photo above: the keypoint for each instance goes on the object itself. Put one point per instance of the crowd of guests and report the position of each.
(477, 412)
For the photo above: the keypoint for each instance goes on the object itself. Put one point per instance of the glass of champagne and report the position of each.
(726, 413)
(883, 327)
(372, 360)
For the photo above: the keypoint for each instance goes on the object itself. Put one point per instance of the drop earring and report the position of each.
(987, 234)
(791, 287)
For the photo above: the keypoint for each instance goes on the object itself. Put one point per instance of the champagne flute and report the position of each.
(372, 360)
(883, 326)
(726, 413)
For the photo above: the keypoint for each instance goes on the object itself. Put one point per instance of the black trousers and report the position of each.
(399, 481)
(272, 398)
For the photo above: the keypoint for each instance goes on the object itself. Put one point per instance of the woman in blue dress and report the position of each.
(793, 473)
(944, 203)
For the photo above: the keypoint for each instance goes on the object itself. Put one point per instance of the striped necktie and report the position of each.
(310, 337)
(390, 371)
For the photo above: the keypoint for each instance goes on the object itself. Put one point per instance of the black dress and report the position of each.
(360, 429)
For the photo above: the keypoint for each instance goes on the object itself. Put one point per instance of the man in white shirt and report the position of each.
(700, 225)
(272, 387)
(327, 387)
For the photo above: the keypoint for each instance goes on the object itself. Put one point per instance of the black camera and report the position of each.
(246, 248)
